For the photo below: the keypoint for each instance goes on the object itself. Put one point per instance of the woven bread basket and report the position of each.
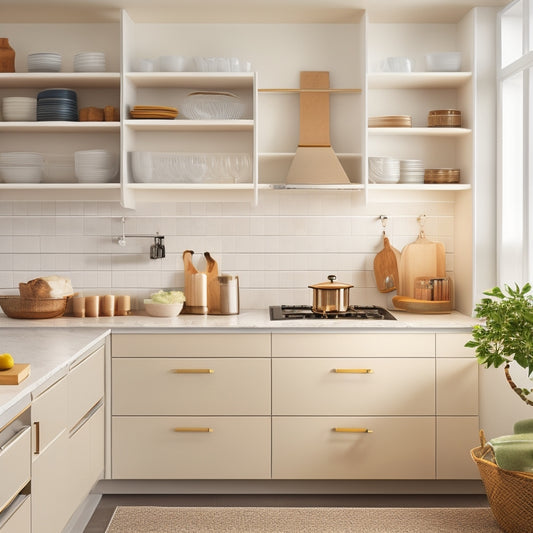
(18, 307)
(510, 493)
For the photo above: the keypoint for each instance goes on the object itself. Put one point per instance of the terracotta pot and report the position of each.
(7, 56)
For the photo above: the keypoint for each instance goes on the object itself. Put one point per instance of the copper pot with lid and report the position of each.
(331, 296)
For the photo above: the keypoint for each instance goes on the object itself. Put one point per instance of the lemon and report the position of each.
(6, 361)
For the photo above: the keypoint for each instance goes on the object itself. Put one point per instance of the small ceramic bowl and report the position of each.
(162, 310)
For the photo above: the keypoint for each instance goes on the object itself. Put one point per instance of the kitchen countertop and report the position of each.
(248, 319)
(50, 352)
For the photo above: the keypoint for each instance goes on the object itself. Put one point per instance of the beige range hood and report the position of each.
(315, 162)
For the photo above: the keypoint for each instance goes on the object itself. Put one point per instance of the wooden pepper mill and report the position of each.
(7, 56)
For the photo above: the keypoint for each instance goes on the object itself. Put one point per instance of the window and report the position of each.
(515, 125)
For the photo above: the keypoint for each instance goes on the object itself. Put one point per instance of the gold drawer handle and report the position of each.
(193, 371)
(353, 430)
(353, 371)
(193, 430)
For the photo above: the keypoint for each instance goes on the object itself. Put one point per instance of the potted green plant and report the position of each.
(504, 336)
(506, 333)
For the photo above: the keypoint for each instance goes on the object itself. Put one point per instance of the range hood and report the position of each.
(315, 162)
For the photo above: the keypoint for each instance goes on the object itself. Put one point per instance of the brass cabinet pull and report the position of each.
(193, 430)
(353, 430)
(37, 438)
(353, 371)
(193, 371)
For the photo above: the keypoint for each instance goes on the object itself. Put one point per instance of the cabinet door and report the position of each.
(85, 457)
(353, 345)
(85, 386)
(191, 345)
(456, 436)
(457, 386)
(191, 447)
(191, 386)
(49, 415)
(14, 465)
(18, 520)
(333, 386)
(353, 448)
(49, 487)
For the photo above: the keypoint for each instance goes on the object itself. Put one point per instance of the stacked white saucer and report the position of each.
(19, 108)
(21, 167)
(89, 62)
(383, 170)
(44, 62)
(411, 171)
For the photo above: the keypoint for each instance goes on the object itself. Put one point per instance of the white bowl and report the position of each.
(171, 63)
(162, 310)
(443, 62)
(212, 106)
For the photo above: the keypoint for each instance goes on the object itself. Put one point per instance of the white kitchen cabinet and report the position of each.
(49, 469)
(15, 465)
(407, 401)
(198, 405)
(53, 138)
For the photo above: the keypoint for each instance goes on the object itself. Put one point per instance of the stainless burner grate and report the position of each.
(354, 312)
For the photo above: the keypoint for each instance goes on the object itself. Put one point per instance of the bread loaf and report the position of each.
(46, 287)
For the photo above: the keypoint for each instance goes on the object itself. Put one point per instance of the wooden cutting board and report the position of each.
(386, 268)
(213, 285)
(420, 258)
(15, 375)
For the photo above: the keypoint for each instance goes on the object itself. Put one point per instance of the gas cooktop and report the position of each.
(354, 312)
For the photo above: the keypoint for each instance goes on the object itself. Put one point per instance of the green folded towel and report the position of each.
(524, 426)
(514, 452)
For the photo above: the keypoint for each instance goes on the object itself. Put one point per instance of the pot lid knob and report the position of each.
(332, 277)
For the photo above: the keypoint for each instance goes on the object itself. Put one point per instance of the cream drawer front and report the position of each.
(49, 415)
(456, 436)
(310, 448)
(85, 386)
(353, 345)
(191, 345)
(329, 386)
(14, 465)
(457, 386)
(18, 521)
(191, 386)
(453, 345)
(86, 457)
(184, 448)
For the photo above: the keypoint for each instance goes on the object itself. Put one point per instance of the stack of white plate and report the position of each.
(89, 62)
(411, 171)
(95, 166)
(44, 62)
(212, 105)
(21, 167)
(19, 108)
(383, 170)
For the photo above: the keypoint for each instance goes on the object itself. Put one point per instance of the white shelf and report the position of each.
(59, 186)
(418, 80)
(60, 126)
(192, 186)
(196, 80)
(60, 79)
(419, 187)
(426, 132)
(189, 125)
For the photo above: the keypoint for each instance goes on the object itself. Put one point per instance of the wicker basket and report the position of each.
(17, 307)
(510, 493)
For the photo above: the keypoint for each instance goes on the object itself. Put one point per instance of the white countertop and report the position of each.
(50, 352)
(248, 319)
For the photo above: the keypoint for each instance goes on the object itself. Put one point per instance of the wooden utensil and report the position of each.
(421, 258)
(386, 267)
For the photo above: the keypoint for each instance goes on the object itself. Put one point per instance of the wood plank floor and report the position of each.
(104, 511)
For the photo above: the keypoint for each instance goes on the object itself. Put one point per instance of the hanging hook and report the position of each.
(384, 219)
(421, 222)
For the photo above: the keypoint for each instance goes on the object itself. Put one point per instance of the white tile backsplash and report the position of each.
(292, 239)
